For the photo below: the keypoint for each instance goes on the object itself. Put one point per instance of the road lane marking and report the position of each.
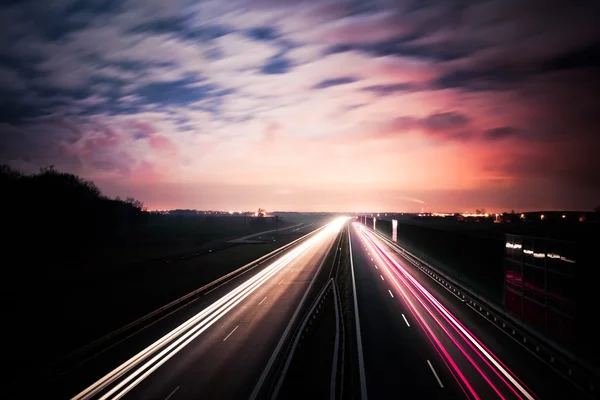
(390, 293)
(231, 333)
(435, 374)
(382, 277)
(468, 335)
(172, 393)
(280, 282)
(371, 258)
(284, 337)
(361, 361)
(177, 339)
(375, 266)
(262, 300)
(405, 320)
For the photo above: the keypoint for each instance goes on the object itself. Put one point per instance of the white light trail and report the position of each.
(193, 327)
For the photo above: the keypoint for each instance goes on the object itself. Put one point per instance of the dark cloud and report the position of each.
(176, 92)
(277, 65)
(501, 132)
(61, 18)
(207, 32)
(479, 79)
(43, 141)
(162, 25)
(262, 33)
(585, 57)
(445, 121)
(342, 80)
(401, 47)
(384, 90)
(443, 125)
(16, 111)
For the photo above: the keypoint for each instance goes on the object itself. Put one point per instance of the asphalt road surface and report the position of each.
(223, 350)
(420, 341)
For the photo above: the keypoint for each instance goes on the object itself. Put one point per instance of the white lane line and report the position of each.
(230, 333)
(405, 320)
(382, 277)
(371, 258)
(390, 293)
(181, 336)
(467, 334)
(262, 300)
(361, 360)
(368, 253)
(284, 337)
(172, 393)
(280, 282)
(435, 374)
(375, 266)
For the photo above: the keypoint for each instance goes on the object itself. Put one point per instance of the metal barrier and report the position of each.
(576, 371)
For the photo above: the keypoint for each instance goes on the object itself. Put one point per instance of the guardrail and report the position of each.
(117, 336)
(298, 334)
(576, 371)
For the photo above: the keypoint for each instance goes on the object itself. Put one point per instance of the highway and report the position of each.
(420, 340)
(225, 349)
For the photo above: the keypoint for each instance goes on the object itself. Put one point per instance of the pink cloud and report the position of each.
(163, 145)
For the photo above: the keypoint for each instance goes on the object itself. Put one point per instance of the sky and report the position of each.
(400, 105)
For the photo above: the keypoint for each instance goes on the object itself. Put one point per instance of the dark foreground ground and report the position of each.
(61, 298)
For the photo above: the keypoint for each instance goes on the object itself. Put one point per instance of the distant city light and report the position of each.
(564, 216)
(542, 216)
(485, 215)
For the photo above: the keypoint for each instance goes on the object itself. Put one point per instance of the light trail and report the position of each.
(516, 386)
(181, 336)
(482, 351)
(437, 345)
(452, 338)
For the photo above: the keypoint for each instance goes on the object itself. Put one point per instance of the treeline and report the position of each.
(51, 210)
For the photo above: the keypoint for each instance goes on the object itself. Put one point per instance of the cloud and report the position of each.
(501, 132)
(262, 33)
(11, 80)
(163, 145)
(276, 65)
(140, 92)
(385, 90)
(176, 93)
(444, 121)
(448, 125)
(343, 80)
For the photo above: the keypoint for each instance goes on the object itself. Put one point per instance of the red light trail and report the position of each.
(485, 360)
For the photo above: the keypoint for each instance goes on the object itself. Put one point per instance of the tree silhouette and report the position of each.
(55, 208)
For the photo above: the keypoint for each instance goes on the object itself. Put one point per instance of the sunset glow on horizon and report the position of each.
(309, 106)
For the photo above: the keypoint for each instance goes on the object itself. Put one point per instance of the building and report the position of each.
(540, 284)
